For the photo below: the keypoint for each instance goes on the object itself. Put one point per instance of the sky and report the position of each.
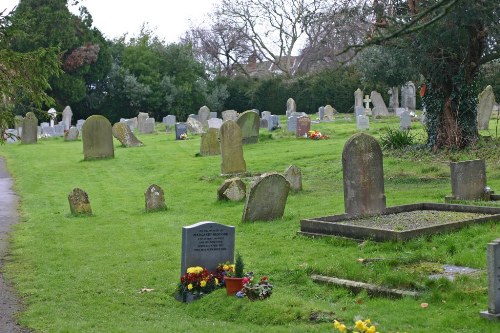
(168, 18)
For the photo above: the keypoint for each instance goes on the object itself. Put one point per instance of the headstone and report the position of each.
(379, 108)
(206, 244)
(229, 115)
(29, 134)
(231, 148)
(493, 258)
(273, 123)
(67, 114)
(132, 123)
(321, 112)
(210, 143)
(266, 198)
(468, 179)
(180, 129)
(256, 111)
(214, 123)
(52, 116)
(48, 131)
(79, 124)
(358, 98)
(233, 189)
(169, 121)
(405, 121)
(249, 123)
(303, 127)
(399, 111)
(359, 111)
(363, 173)
(12, 136)
(18, 123)
(363, 123)
(408, 96)
(154, 198)
(194, 126)
(79, 203)
(485, 108)
(71, 134)
(290, 106)
(59, 130)
(393, 98)
(148, 126)
(291, 123)
(264, 123)
(329, 112)
(294, 176)
(213, 115)
(265, 114)
(204, 115)
(97, 138)
(124, 134)
(141, 119)
(367, 101)
(194, 116)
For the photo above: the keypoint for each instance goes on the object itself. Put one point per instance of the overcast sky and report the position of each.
(171, 18)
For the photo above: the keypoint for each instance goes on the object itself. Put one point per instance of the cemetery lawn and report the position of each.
(85, 274)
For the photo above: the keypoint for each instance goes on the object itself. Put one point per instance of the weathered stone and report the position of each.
(249, 123)
(154, 198)
(194, 126)
(363, 176)
(393, 98)
(67, 114)
(290, 107)
(141, 119)
(71, 134)
(468, 179)
(363, 122)
(204, 115)
(97, 138)
(266, 199)
(122, 132)
(229, 115)
(408, 96)
(148, 127)
(379, 107)
(405, 121)
(180, 131)
(294, 176)
(214, 123)
(273, 123)
(291, 124)
(231, 149)
(29, 134)
(493, 252)
(329, 112)
(303, 127)
(485, 108)
(210, 144)
(233, 189)
(79, 203)
(358, 98)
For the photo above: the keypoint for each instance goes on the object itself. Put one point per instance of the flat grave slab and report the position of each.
(400, 223)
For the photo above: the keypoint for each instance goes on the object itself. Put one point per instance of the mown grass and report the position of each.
(84, 274)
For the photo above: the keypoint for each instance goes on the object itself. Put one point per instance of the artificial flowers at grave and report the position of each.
(255, 291)
(315, 135)
(197, 282)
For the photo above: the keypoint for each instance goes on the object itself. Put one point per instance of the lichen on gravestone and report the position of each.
(79, 203)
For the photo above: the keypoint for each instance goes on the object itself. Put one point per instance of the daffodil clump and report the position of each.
(197, 280)
(360, 326)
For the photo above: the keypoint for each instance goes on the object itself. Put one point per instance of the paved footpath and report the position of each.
(9, 303)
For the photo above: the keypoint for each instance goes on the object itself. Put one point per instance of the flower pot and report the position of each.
(233, 285)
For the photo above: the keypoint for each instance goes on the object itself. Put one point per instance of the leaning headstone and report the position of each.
(214, 123)
(249, 123)
(266, 198)
(273, 123)
(67, 114)
(29, 134)
(194, 126)
(71, 134)
(79, 203)
(468, 180)
(493, 253)
(229, 115)
(204, 115)
(405, 121)
(206, 244)
(294, 176)
(180, 130)
(210, 143)
(329, 112)
(379, 108)
(358, 98)
(291, 123)
(363, 176)
(122, 133)
(148, 126)
(233, 189)
(291, 107)
(408, 96)
(141, 119)
(154, 198)
(485, 108)
(231, 148)
(97, 138)
(303, 127)
(363, 123)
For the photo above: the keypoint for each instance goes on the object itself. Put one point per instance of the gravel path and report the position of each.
(9, 303)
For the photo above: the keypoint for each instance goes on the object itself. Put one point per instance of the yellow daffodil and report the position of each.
(371, 329)
(225, 267)
(195, 270)
(190, 286)
(216, 281)
(360, 325)
(368, 321)
(342, 328)
(203, 283)
(336, 324)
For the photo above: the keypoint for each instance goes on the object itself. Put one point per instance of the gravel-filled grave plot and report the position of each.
(401, 223)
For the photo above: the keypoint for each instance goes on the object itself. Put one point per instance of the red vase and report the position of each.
(233, 285)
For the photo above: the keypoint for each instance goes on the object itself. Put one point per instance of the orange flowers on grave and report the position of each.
(197, 280)
(315, 135)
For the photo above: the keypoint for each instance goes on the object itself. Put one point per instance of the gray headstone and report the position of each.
(292, 124)
(48, 131)
(485, 108)
(194, 126)
(141, 119)
(363, 173)
(358, 98)
(169, 120)
(214, 123)
(59, 130)
(249, 122)
(210, 143)
(231, 148)
(379, 107)
(266, 198)
(18, 123)
(67, 114)
(97, 138)
(493, 254)
(132, 123)
(204, 115)
(154, 198)
(321, 112)
(468, 179)
(124, 134)
(393, 98)
(12, 136)
(273, 123)
(294, 176)
(363, 123)
(148, 126)
(79, 203)
(265, 114)
(290, 106)
(233, 189)
(180, 129)
(359, 111)
(408, 96)
(229, 115)
(399, 111)
(206, 244)
(213, 115)
(79, 124)
(72, 134)
(264, 123)
(303, 126)
(405, 121)
(29, 134)
(329, 112)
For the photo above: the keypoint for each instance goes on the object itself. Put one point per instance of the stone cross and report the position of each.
(52, 115)
(367, 101)
(493, 312)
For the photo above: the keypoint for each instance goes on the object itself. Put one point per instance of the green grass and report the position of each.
(84, 274)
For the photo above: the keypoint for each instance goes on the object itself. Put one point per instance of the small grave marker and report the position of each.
(493, 251)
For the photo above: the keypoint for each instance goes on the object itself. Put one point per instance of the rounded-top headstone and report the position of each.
(97, 138)
(29, 133)
(294, 176)
(154, 198)
(79, 203)
(249, 123)
(231, 149)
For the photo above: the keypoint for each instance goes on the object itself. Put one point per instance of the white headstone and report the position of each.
(214, 123)
(363, 123)
(67, 114)
(405, 121)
